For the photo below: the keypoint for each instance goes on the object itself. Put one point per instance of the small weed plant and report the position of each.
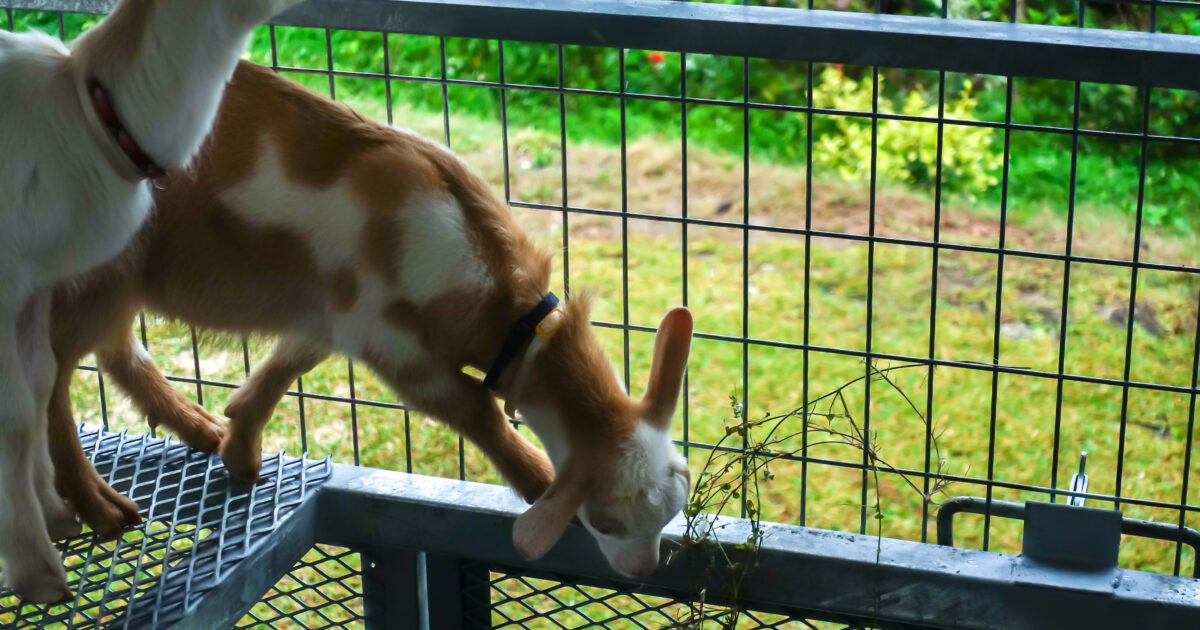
(740, 462)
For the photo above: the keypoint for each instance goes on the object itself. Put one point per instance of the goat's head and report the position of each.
(617, 470)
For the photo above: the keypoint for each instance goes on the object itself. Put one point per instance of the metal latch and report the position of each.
(1079, 482)
(1066, 545)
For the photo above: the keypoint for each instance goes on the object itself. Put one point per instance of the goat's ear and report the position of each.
(671, 347)
(539, 528)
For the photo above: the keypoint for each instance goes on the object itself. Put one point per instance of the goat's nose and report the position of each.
(638, 566)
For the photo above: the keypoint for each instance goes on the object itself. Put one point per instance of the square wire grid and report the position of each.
(513, 598)
(316, 64)
(197, 528)
(323, 590)
(491, 75)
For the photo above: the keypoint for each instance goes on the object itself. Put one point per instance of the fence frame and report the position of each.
(868, 39)
(984, 596)
(824, 574)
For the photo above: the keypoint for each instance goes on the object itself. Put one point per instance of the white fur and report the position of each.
(328, 219)
(362, 330)
(64, 209)
(646, 493)
(546, 425)
(646, 455)
(643, 496)
(437, 253)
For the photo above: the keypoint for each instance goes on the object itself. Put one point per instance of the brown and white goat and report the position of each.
(301, 219)
(81, 129)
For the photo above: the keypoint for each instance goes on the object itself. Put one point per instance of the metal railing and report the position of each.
(394, 550)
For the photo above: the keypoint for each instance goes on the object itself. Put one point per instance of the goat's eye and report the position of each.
(606, 526)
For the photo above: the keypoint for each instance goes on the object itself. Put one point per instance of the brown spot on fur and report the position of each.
(383, 181)
(207, 266)
(318, 138)
(386, 168)
(404, 315)
(343, 289)
(439, 324)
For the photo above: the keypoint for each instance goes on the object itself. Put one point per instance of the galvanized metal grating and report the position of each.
(514, 598)
(323, 590)
(198, 528)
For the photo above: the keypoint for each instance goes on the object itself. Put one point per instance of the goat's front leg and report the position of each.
(31, 564)
(127, 362)
(253, 404)
(464, 404)
(41, 369)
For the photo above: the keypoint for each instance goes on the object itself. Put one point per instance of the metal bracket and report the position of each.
(1071, 547)
(1076, 544)
(1079, 482)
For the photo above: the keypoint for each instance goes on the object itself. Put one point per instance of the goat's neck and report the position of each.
(543, 420)
(165, 68)
(574, 404)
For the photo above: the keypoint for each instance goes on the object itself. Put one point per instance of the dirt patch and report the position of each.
(715, 190)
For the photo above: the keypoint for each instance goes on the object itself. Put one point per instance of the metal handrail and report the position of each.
(926, 43)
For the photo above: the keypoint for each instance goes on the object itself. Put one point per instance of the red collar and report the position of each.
(102, 104)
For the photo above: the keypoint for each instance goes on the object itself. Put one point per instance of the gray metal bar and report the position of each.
(241, 588)
(799, 568)
(444, 592)
(390, 587)
(971, 46)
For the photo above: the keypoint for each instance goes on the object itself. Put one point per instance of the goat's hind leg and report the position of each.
(105, 510)
(31, 564)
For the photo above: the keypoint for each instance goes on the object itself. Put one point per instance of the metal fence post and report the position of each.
(458, 593)
(390, 584)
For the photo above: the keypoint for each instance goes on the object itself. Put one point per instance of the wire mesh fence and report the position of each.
(324, 590)
(515, 598)
(1029, 243)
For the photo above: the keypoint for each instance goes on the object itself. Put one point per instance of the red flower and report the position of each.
(656, 57)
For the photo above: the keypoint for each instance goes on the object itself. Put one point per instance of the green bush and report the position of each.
(906, 151)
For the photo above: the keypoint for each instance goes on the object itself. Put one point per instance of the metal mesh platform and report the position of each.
(201, 533)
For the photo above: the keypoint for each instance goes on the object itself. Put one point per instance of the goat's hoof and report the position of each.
(244, 462)
(103, 509)
(41, 582)
(111, 513)
(62, 526)
(195, 427)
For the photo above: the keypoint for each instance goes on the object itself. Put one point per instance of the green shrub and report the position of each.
(906, 151)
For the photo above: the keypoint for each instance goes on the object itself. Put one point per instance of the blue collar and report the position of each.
(518, 335)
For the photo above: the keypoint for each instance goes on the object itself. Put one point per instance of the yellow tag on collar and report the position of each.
(549, 324)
